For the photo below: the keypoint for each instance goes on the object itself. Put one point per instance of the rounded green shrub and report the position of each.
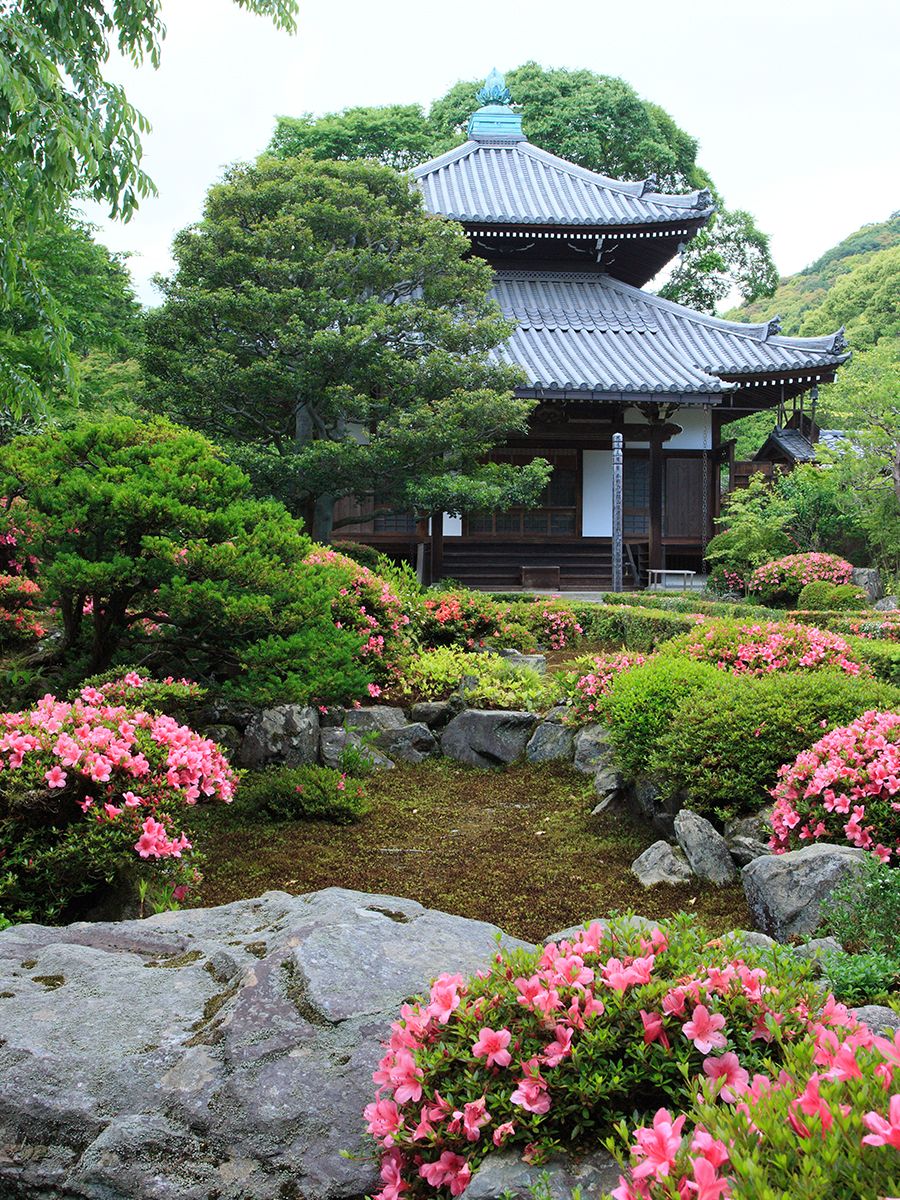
(816, 596)
(723, 745)
(847, 597)
(300, 793)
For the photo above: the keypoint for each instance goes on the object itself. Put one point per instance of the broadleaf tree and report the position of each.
(65, 129)
(336, 337)
(597, 121)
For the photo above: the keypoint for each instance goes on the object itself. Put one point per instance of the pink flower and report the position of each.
(531, 1094)
(884, 1132)
(707, 1183)
(474, 1116)
(727, 1067)
(56, 777)
(444, 997)
(703, 1030)
(491, 1046)
(654, 1030)
(656, 1147)
(383, 1119)
(450, 1170)
(560, 1048)
(502, 1132)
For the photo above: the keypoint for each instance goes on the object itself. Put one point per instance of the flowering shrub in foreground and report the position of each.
(769, 646)
(589, 689)
(846, 788)
(368, 605)
(823, 1123)
(782, 580)
(554, 1046)
(89, 789)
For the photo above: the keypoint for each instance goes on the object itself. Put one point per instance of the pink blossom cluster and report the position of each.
(846, 788)
(116, 763)
(517, 1039)
(792, 573)
(463, 619)
(368, 605)
(554, 624)
(881, 626)
(19, 596)
(817, 1112)
(590, 688)
(769, 646)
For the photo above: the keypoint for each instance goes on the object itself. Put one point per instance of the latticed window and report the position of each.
(556, 513)
(635, 495)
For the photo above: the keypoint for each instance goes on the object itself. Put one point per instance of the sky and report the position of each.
(795, 103)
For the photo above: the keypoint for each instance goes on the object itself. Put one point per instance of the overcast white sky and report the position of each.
(796, 103)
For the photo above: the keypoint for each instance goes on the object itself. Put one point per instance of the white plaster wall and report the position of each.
(695, 425)
(452, 526)
(596, 497)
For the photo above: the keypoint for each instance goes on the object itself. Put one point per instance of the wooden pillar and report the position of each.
(656, 500)
(437, 546)
(422, 566)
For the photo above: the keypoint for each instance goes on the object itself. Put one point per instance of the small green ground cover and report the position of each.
(516, 847)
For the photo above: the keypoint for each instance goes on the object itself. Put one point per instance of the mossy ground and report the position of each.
(517, 847)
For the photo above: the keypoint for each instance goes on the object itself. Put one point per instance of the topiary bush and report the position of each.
(722, 745)
(93, 792)
(880, 655)
(831, 597)
(781, 581)
(821, 1122)
(642, 704)
(301, 793)
(627, 627)
(846, 788)
(551, 1047)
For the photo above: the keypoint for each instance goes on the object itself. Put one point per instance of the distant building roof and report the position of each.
(789, 443)
(649, 345)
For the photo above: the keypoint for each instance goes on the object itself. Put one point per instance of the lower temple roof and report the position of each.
(590, 333)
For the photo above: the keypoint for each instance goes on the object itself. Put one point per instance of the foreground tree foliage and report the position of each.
(336, 337)
(65, 129)
(152, 546)
(596, 121)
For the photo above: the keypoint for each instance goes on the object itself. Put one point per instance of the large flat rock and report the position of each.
(223, 1052)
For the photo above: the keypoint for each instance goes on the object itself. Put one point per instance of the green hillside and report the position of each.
(855, 283)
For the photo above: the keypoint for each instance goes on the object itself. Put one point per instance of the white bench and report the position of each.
(660, 578)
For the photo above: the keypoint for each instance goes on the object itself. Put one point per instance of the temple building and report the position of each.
(571, 252)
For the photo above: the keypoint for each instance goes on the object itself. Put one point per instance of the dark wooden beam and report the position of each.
(656, 499)
(437, 546)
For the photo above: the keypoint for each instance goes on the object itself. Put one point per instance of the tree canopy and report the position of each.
(66, 129)
(336, 337)
(596, 121)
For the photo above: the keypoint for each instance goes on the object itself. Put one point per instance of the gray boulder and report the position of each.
(818, 948)
(704, 848)
(226, 736)
(334, 742)
(661, 863)
(609, 787)
(376, 718)
(887, 604)
(630, 923)
(534, 662)
(287, 734)
(753, 938)
(758, 826)
(744, 849)
(409, 743)
(550, 742)
(878, 1017)
(785, 891)
(592, 749)
(433, 713)
(869, 579)
(481, 738)
(221, 1052)
(503, 1174)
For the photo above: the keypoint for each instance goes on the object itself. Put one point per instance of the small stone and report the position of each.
(592, 749)
(609, 787)
(410, 743)
(661, 863)
(631, 924)
(752, 937)
(433, 713)
(503, 1174)
(878, 1017)
(784, 891)
(534, 662)
(335, 741)
(704, 848)
(744, 849)
(887, 604)
(550, 742)
(287, 734)
(378, 718)
(481, 738)
(757, 826)
(818, 948)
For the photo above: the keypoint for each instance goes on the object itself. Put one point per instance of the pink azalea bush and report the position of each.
(19, 600)
(822, 1122)
(782, 580)
(91, 788)
(588, 690)
(554, 624)
(555, 1045)
(846, 788)
(368, 604)
(759, 649)
(470, 620)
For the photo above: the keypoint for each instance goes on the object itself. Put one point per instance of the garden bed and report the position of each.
(517, 847)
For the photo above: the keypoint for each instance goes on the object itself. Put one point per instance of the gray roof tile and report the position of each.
(517, 183)
(592, 333)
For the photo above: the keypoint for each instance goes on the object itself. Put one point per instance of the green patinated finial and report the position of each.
(494, 90)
